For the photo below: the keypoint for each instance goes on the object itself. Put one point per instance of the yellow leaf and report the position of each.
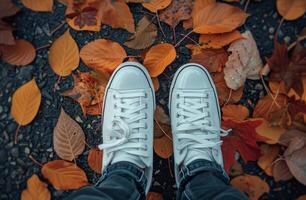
(36, 190)
(158, 58)
(25, 103)
(220, 40)
(38, 5)
(291, 10)
(272, 133)
(64, 55)
(156, 5)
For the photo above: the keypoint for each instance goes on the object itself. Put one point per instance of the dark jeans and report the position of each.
(201, 179)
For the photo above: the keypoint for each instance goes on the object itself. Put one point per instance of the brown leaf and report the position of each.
(156, 5)
(7, 8)
(158, 58)
(297, 165)
(235, 112)
(281, 171)
(303, 197)
(138, 1)
(269, 154)
(235, 170)
(286, 138)
(161, 123)
(253, 186)
(6, 34)
(163, 147)
(94, 160)
(103, 55)
(244, 62)
(272, 133)
(22, 53)
(68, 138)
(177, 11)
(291, 10)
(38, 5)
(212, 59)
(145, 35)
(154, 196)
(155, 83)
(64, 175)
(36, 190)
(220, 40)
(218, 18)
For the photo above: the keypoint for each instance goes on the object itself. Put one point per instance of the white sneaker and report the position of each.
(195, 117)
(127, 118)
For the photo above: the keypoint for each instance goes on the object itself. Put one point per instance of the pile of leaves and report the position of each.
(274, 135)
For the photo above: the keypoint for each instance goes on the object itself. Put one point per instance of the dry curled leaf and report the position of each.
(103, 55)
(291, 10)
(85, 19)
(253, 186)
(36, 190)
(94, 160)
(218, 18)
(159, 57)
(68, 137)
(38, 5)
(163, 147)
(64, 55)
(281, 171)
(64, 175)
(21, 53)
(244, 62)
(268, 155)
(235, 112)
(177, 11)
(272, 133)
(156, 5)
(25, 103)
(220, 40)
(145, 35)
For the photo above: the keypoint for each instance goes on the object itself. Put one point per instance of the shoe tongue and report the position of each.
(196, 154)
(123, 156)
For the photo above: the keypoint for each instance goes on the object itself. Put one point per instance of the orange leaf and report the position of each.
(22, 53)
(36, 190)
(38, 5)
(64, 55)
(94, 160)
(156, 5)
(159, 57)
(6, 34)
(291, 10)
(163, 147)
(220, 40)
(269, 154)
(303, 197)
(155, 83)
(161, 123)
(272, 133)
(253, 186)
(25, 103)
(64, 175)
(154, 196)
(234, 112)
(218, 18)
(103, 55)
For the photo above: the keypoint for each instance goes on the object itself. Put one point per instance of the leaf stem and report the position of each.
(35, 161)
(56, 85)
(179, 42)
(58, 27)
(278, 28)
(159, 24)
(174, 34)
(246, 5)
(297, 41)
(16, 134)
(195, 42)
(159, 126)
(42, 47)
(170, 168)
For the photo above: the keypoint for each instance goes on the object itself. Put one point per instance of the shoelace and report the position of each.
(126, 135)
(193, 115)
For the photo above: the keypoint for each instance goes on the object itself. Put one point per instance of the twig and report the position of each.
(58, 27)
(170, 168)
(229, 97)
(56, 85)
(278, 28)
(174, 34)
(35, 161)
(246, 5)
(161, 28)
(179, 42)
(162, 130)
(297, 41)
(16, 134)
(42, 47)
(192, 40)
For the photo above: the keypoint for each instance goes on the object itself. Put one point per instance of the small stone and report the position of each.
(258, 87)
(271, 30)
(27, 150)
(15, 152)
(287, 39)
(78, 119)
(11, 127)
(3, 156)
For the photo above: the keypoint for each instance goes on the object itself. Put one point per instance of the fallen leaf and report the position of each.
(7, 8)
(25, 103)
(38, 5)
(161, 123)
(154, 196)
(218, 18)
(145, 35)
(212, 59)
(138, 1)
(253, 186)
(272, 133)
(295, 107)
(103, 55)
(291, 10)
(287, 137)
(88, 91)
(36, 190)
(236, 170)
(159, 57)
(303, 197)
(22, 53)
(267, 105)
(269, 154)
(64, 175)
(177, 11)
(94, 160)
(243, 63)
(242, 139)
(281, 171)
(155, 83)
(86, 17)
(235, 112)
(68, 138)
(163, 147)
(64, 55)
(6, 34)
(156, 5)
(220, 40)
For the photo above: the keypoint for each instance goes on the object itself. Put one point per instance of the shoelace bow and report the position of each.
(193, 115)
(126, 135)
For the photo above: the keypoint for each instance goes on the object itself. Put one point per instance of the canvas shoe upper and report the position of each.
(127, 118)
(195, 117)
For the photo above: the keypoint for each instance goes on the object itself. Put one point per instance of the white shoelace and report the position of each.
(127, 125)
(193, 113)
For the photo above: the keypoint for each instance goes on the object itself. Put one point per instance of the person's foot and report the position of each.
(127, 118)
(195, 117)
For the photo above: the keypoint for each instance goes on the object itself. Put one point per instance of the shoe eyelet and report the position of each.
(178, 95)
(146, 95)
(146, 106)
(114, 96)
(177, 105)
